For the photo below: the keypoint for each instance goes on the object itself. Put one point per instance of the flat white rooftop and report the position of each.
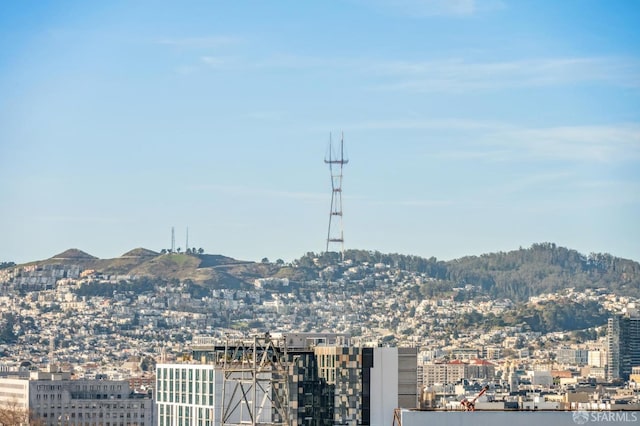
(519, 418)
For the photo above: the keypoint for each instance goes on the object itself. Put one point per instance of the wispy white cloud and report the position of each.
(427, 8)
(217, 62)
(502, 141)
(267, 115)
(446, 123)
(529, 181)
(585, 144)
(608, 143)
(199, 42)
(258, 192)
(291, 61)
(424, 203)
(409, 202)
(81, 219)
(459, 75)
(274, 62)
(448, 75)
(186, 69)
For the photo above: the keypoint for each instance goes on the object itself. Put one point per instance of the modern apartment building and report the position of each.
(324, 379)
(623, 346)
(457, 370)
(194, 394)
(571, 356)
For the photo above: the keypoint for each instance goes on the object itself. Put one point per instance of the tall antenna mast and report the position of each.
(173, 240)
(335, 233)
(186, 247)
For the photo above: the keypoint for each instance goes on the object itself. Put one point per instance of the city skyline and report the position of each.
(470, 126)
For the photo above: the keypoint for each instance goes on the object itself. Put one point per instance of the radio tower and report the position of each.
(335, 232)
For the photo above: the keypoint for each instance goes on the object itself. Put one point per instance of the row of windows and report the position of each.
(185, 398)
(93, 406)
(184, 386)
(12, 395)
(49, 387)
(21, 386)
(185, 392)
(327, 360)
(186, 374)
(185, 415)
(93, 415)
(80, 423)
(79, 387)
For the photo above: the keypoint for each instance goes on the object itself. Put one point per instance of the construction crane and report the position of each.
(471, 405)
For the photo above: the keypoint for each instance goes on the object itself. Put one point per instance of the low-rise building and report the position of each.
(55, 399)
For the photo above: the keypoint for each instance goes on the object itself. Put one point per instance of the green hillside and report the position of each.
(517, 274)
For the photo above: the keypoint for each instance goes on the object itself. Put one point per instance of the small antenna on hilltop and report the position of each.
(186, 247)
(173, 240)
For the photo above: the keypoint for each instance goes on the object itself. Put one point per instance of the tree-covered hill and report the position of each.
(517, 274)
(545, 268)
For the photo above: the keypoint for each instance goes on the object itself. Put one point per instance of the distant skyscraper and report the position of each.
(623, 345)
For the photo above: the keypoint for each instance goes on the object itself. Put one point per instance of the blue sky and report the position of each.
(471, 126)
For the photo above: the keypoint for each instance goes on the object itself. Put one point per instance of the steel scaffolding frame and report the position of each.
(255, 382)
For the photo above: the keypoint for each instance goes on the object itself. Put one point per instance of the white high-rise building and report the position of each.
(393, 383)
(188, 394)
(193, 395)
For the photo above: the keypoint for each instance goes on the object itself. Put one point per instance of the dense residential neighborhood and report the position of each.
(97, 325)
(52, 313)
